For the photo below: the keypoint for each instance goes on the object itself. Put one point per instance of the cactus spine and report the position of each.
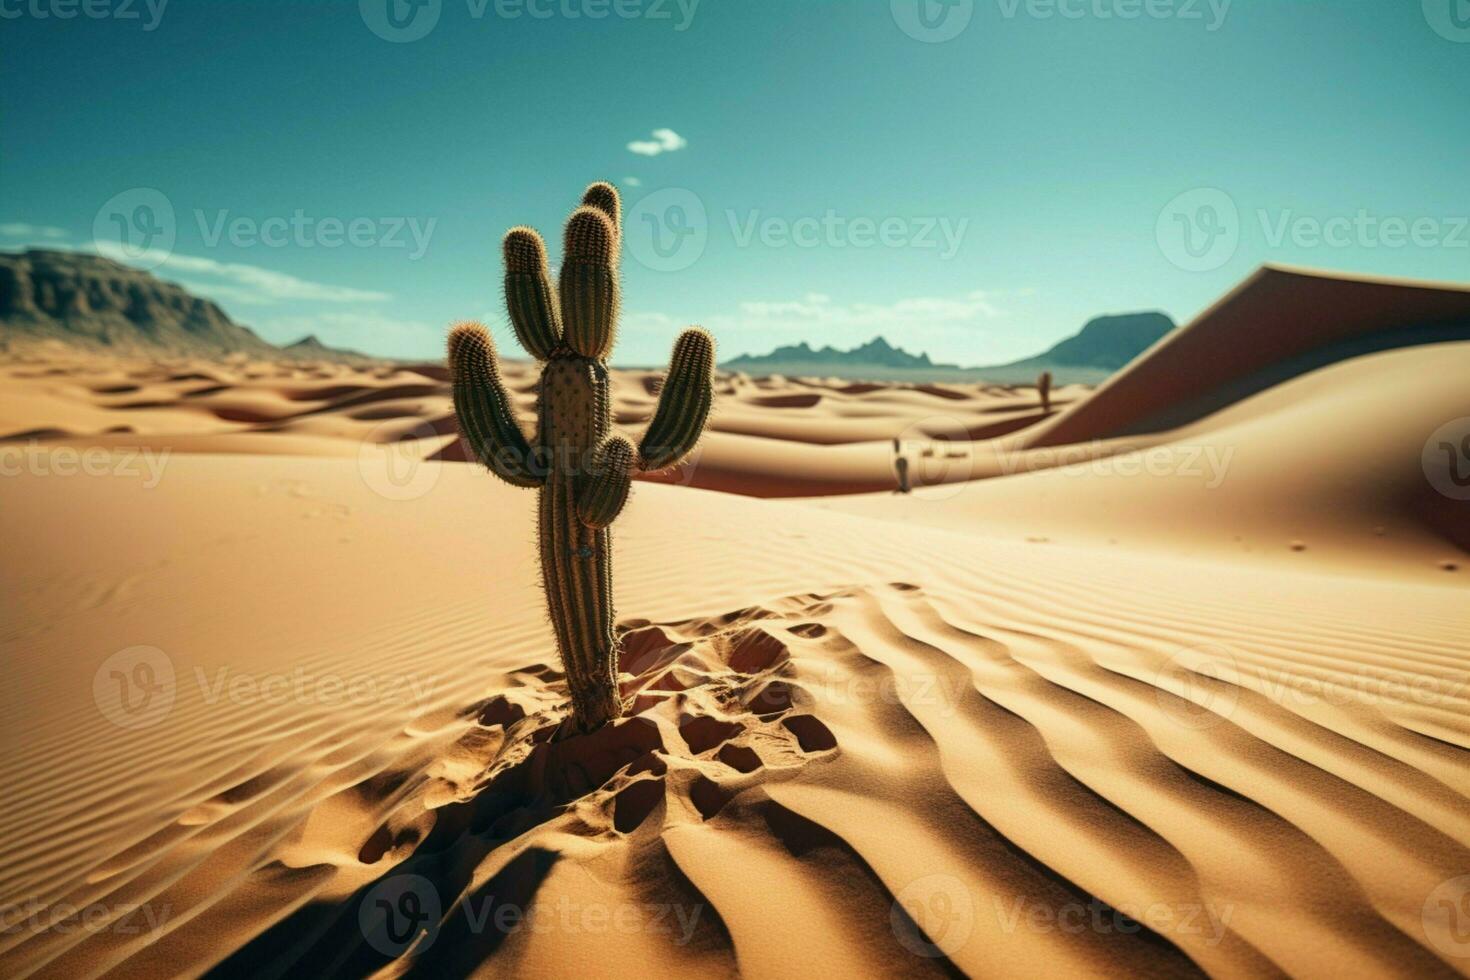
(581, 469)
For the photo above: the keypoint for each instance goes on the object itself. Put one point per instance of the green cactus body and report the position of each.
(581, 469)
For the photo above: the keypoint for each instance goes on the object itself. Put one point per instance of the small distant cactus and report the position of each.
(1043, 385)
(901, 464)
(581, 469)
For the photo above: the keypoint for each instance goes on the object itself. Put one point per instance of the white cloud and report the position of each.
(22, 230)
(632, 182)
(816, 310)
(664, 141)
(237, 282)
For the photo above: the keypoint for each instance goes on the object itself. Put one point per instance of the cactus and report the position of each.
(580, 468)
(1043, 386)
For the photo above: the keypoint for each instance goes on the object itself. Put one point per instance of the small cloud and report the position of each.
(664, 141)
(632, 182)
(818, 309)
(22, 230)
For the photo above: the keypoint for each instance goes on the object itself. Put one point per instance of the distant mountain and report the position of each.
(876, 352)
(85, 300)
(92, 301)
(1104, 345)
(311, 348)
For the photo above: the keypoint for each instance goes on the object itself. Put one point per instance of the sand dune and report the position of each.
(1265, 330)
(770, 437)
(959, 724)
(282, 700)
(1324, 471)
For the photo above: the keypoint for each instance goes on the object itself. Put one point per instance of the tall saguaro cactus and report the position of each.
(581, 469)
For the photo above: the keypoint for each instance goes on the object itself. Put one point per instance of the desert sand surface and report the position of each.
(772, 436)
(1123, 700)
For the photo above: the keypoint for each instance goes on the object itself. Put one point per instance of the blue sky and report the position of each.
(975, 183)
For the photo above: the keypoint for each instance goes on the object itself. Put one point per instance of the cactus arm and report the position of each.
(483, 411)
(604, 490)
(604, 197)
(589, 282)
(683, 404)
(528, 294)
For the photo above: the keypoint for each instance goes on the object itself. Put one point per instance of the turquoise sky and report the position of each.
(972, 179)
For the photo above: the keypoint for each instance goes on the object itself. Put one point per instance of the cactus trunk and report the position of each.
(576, 560)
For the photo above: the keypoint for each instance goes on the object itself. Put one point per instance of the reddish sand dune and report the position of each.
(1278, 314)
